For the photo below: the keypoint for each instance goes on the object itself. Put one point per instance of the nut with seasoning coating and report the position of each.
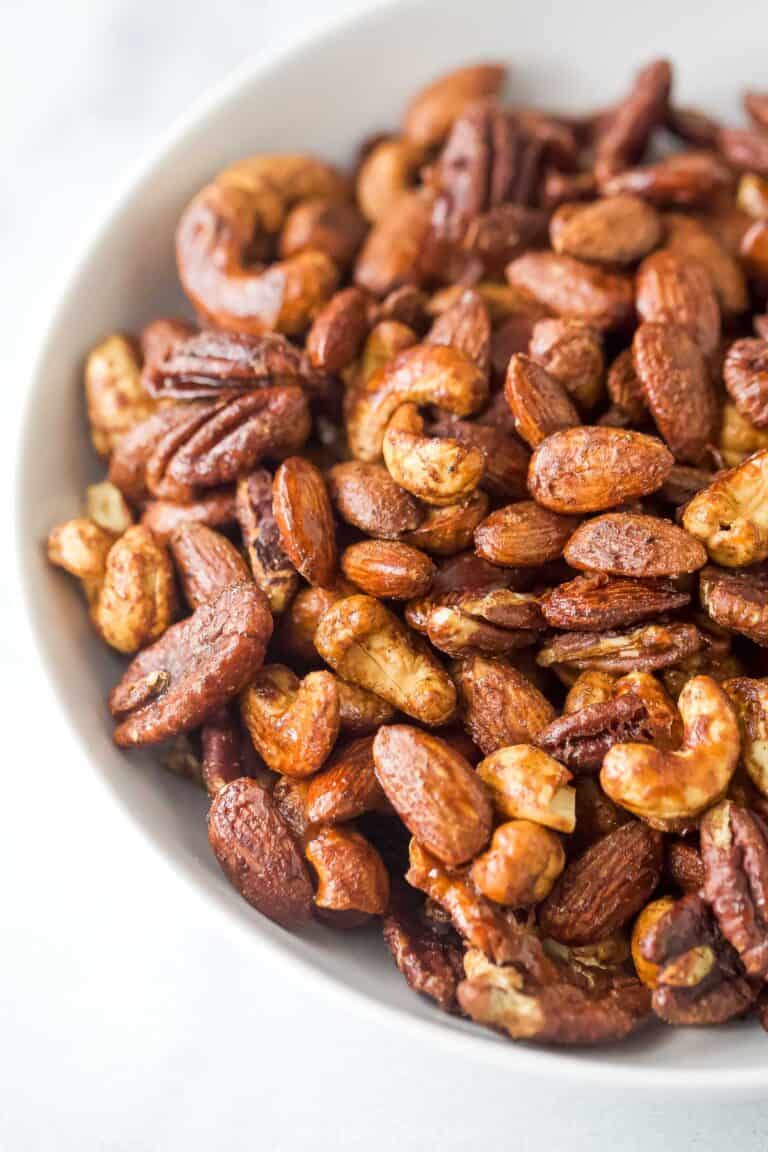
(499, 705)
(137, 597)
(522, 863)
(366, 496)
(669, 788)
(590, 469)
(526, 784)
(304, 518)
(206, 561)
(730, 516)
(115, 394)
(257, 853)
(734, 848)
(629, 544)
(351, 876)
(366, 644)
(434, 791)
(293, 724)
(271, 568)
(194, 668)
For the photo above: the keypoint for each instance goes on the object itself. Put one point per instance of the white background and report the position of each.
(127, 1022)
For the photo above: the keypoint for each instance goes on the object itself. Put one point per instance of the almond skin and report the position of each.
(677, 386)
(366, 496)
(617, 230)
(305, 520)
(627, 544)
(605, 887)
(673, 290)
(206, 561)
(539, 403)
(590, 469)
(692, 240)
(388, 569)
(435, 792)
(500, 706)
(523, 534)
(257, 853)
(572, 288)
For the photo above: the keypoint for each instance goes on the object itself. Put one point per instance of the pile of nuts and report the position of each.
(438, 543)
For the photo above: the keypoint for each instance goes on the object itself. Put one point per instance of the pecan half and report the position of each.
(194, 668)
(643, 649)
(745, 372)
(737, 601)
(271, 568)
(429, 956)
(734, 848)
(208, 363)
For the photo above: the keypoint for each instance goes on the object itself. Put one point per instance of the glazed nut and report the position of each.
(366, 496)
(304, 519)
(319, 224)
(669, 788)
(606, 886)
(434, 791)
(385, 174)
(446, 531)
(680, 292)
(347, 787)
(737, 601)
(271, 569)
(642, 649)
(572, 352)
(574, 289)
(351, 876)
(526, 784)
(745, 372)
(293, 724)
(431, 113)
(107, 507)
(163, 517)
(737, 439)
(734, 848)
(392, 251)
(387, 569)
(114, 391)
(299, 624)
(338, 331)
(466, 325)
(615, 231)
(675, 379)
(523, 862)
(257, 853)
(137, 598)
(634, 545)
(426, 374)
(497, 622)
(206, 562)
(591, 469)
(625, 389)
(650, 915)
(596, 602)
(429, 956)
(523, 534)
(694, 242)
(539, 402)
(750, 700)
(438, 470)
(194, 668)
(81, 547)
(730, 516)
(361, 711)
(499, 705)
(587, 689)
(365, 644)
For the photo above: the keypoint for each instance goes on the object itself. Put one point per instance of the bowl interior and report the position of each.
(326, 96)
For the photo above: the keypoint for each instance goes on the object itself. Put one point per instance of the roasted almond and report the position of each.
(677, 387)
(305, 519)
(672, 289)
(589, 469)
(523, 534)
(499, 705)
(444, 531)
(347, 787)
(605, 887)
(628, 544)
(539, 403)
(572, 288)
(338, 331)
(572, 352)
(207, 563)
(366, 496)
(616, 230)
(435, 792)
(387, 569)
(692, 240)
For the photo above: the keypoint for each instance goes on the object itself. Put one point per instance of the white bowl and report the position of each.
(326, 95)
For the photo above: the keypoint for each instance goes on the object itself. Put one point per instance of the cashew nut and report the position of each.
(440, 471)
(426, 374)
(526, 784)
(293, 724)
(669, 788)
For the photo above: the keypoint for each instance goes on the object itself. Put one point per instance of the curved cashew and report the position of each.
(386, 172)
(667, 789)
(526, 784)
(115, 395)
(730, 517)
(293, 724)
(427, 374)
(439, 471)
(214, 243)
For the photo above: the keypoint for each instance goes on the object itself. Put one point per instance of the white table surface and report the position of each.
(127, 1021)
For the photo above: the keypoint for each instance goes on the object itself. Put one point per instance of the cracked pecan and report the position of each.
(734, 848)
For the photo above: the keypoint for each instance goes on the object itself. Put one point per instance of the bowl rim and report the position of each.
(576, 1065)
